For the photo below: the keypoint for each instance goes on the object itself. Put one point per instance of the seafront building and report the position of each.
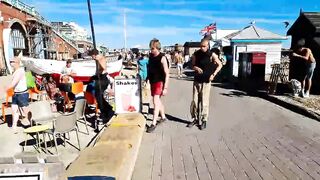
(75, 33)
(24, 32)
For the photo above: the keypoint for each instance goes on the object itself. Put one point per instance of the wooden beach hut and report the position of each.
(255, 39)
(306, 26)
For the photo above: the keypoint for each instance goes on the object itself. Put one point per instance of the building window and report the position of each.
(17, 39)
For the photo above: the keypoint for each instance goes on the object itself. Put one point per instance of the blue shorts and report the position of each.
(310, 69)
(21, 99)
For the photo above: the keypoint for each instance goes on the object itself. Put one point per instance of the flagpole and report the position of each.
(91, 24)
(99, 98)
(92, 31)
(216, 31)
(125, 30)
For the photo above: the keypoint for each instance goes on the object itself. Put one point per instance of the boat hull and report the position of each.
(84, 70)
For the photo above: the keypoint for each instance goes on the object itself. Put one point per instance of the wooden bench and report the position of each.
(115, 152)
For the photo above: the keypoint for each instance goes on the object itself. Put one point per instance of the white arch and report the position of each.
(6, 40)
(15, 20)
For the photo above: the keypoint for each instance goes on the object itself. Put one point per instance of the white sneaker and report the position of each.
(14, 129)
(306, 95)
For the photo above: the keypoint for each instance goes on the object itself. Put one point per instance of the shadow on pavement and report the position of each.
(169, 117)
(235, 94)
(173, 118)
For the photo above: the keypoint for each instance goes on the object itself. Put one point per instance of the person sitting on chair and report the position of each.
(66, 80)
(51, 88)
(67, 73)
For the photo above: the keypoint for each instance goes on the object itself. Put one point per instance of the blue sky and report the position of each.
(172, 21)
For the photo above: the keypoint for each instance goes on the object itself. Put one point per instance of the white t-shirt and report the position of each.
(67, 70)
(22, 82)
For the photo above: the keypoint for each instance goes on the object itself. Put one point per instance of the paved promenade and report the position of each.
(246, 138)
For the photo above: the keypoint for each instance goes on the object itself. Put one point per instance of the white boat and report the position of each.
(84, 70)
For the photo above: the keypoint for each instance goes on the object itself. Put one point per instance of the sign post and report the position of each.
(127, 96)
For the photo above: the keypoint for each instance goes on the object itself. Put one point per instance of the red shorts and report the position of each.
(156, 88)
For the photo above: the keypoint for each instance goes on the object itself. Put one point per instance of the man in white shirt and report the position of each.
(67, 73)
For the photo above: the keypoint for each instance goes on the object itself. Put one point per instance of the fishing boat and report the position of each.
(84, 70)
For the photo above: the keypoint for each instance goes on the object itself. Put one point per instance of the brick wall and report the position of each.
(9, 13)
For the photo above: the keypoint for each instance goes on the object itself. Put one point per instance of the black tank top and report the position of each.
(155, 69)
(203, 61)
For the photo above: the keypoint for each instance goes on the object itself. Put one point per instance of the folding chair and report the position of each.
(6, 104)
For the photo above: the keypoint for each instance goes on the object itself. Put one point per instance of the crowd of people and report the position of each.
(153, 68)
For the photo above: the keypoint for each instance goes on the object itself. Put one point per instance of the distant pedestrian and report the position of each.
(169, 59)
(206, 66)
(306, 55)
(179, 61)
(20, 98)
(143, 67)
(158, 76)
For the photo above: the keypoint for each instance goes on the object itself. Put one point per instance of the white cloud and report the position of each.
(139, 33)
(113, 35)
(112, 7)
(143, 30)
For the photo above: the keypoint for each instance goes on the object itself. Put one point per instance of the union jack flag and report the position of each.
(209, 29)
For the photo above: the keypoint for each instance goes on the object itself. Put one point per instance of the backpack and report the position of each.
(30, 79)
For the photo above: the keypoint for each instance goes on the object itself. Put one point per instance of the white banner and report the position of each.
(127, 95)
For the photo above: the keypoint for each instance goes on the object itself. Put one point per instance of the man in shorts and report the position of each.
(310, 64)
(20, 98)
